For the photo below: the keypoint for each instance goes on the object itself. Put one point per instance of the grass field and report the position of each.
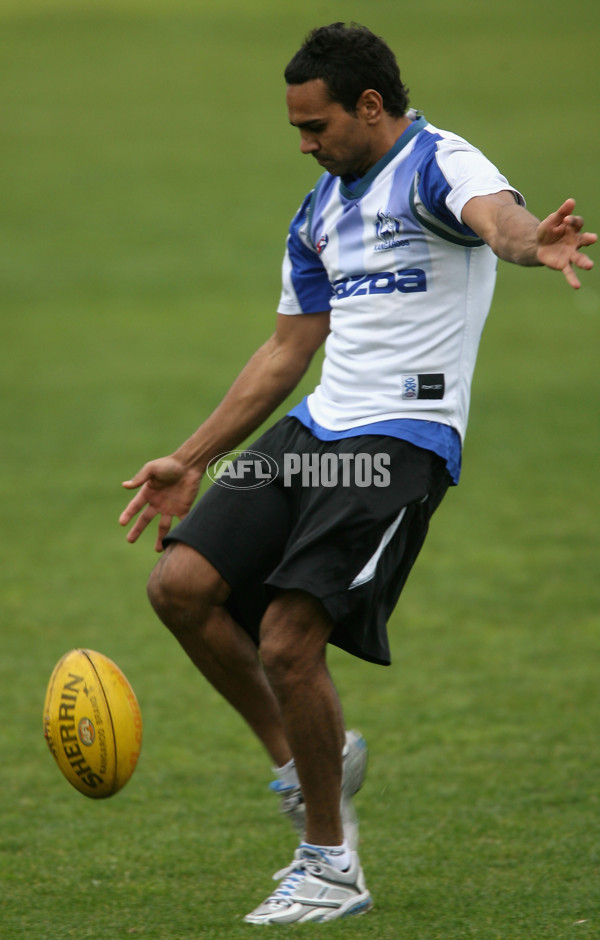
(145, 145)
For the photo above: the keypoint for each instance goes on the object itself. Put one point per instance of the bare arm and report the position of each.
(514, 234)
(267, 379)
(169, 485)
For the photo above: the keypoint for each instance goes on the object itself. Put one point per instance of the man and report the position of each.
(391, 260)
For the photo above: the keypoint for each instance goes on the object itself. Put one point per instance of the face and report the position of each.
(340, 142)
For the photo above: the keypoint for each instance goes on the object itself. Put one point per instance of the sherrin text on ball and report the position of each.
(92, 723)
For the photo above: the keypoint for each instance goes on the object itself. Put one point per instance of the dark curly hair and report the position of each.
(349, 59)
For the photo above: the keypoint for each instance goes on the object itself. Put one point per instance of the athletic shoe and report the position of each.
(354, 770)
(312, 890)
(292, 804)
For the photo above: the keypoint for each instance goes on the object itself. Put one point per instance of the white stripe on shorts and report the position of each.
(368, 572)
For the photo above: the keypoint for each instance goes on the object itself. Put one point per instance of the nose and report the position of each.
(308, 143)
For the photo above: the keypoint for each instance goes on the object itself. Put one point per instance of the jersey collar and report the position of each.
(359, 188)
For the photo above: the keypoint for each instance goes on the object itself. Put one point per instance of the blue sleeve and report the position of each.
(433, 190)
(308, 276)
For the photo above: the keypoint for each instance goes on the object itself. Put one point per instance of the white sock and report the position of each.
(288, 774)
(338, 856)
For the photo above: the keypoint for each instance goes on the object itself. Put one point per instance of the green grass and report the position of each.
(141, 143)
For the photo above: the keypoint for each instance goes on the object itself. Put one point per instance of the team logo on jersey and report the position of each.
(322, 243)
(388, 229)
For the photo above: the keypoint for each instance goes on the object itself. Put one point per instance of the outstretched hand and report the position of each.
(560, 240)
(168, 489)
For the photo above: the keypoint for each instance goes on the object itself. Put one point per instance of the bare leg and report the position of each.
(294, 635)
(188, 595)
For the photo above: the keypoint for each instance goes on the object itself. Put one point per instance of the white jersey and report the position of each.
(409, 285)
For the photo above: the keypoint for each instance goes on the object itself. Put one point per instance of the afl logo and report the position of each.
(86, 732)
(410, 386)
(322, 243)
(242, 470)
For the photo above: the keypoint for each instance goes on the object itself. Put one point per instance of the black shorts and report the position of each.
(343, 520)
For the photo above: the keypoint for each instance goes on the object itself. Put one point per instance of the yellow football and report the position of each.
(92, 723)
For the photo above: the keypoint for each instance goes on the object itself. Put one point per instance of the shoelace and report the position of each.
(293, 875)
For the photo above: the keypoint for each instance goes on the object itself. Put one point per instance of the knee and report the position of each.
(162, 589)
(289, 666)
(293, 640)
(183, 587)
(165, 596)
(278, 658)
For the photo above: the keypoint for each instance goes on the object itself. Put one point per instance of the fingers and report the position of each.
(556, 221)
(144, 520)
(571, 278)
(587, 238)
(142, 476)
(133, 507)
(564, 216)
(566, 209)
(580, 261)
(164, 527)
(583, 261)
(164, 492)
(141, 523)
(561, 241)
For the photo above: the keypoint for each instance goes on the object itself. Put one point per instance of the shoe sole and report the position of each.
(352, 908)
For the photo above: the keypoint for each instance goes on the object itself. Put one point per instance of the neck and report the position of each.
(391, 130)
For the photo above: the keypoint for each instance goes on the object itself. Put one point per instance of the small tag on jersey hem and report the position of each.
(423, 385)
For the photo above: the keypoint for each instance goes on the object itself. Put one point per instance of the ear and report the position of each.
(370, 106)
